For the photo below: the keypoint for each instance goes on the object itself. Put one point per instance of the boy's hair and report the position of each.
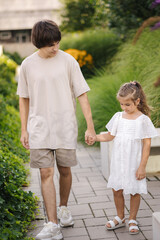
(134, 91)
(45, 33)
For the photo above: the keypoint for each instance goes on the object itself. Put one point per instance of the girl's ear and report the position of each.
(137, 101)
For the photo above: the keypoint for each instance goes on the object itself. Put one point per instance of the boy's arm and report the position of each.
(86, 109)
(141, 172)
(24, 111)
(104, 137)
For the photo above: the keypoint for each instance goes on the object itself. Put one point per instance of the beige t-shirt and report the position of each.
(52, 86)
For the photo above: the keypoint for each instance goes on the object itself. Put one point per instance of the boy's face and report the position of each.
(50, 51)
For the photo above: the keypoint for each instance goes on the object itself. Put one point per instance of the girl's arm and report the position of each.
(104, 137)
(141, 172)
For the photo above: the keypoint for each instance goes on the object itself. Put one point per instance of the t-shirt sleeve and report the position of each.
(113, 124)
(78, 82)
(145, 128)
(22, 89)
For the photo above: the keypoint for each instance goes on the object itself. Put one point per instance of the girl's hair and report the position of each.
(135, 91)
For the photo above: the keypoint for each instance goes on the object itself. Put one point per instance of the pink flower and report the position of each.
(156, 26)
(155, 3)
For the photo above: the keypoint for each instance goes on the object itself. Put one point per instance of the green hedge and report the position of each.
(14, 56)
(101, 44)
(139, 62)
(16, 206)
(8, 84)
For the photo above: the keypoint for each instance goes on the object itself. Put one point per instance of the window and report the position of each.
(5, 35)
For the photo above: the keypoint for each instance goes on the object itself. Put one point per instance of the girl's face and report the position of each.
(128, 105)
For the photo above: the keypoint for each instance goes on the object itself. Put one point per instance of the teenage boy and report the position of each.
(49, 83)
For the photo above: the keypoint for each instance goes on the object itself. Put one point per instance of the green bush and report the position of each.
(139, 62)
(14, 56)
(16, 206)
(8, 84)
(10, 130)
(101, 44)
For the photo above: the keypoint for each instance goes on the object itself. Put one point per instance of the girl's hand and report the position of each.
(141, 173)
(91, 140)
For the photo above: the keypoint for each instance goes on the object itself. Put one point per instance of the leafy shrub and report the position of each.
(8, 84)
(16, 206)
(14, 56)
(84, 59)
(134, 62)
(10, 130)
(101, 44)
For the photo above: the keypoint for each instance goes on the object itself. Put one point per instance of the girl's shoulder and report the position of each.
(145, 128)
(144, 118)
(117, 114)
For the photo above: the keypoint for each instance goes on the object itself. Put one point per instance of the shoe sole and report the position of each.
(59, 237)
(133, 233)
(116, 227)
(68, 225)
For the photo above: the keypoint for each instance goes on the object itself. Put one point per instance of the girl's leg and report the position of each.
(119, 203)
(134, 206)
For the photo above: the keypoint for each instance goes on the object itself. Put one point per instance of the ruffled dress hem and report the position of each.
(128, 191)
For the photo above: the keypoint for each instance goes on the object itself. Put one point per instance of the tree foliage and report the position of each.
(77, 15)
(124, 15)
(120, 15)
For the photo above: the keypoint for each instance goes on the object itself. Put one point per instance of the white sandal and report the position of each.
(133, 227)
(115, 226)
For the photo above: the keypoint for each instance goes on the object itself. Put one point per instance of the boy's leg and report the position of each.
(44, 160)
(134, 206)
(119, 203)
(65, 158)
(49, 193)
(65, 182)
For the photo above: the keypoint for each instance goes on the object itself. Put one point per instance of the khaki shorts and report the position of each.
(45, 158)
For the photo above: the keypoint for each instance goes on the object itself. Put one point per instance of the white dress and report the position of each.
(127, 151)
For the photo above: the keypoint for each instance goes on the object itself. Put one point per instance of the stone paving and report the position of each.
(91, 203)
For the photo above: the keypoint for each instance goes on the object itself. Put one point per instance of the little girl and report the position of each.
(132, 131)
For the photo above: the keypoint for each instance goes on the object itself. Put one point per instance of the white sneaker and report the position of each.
(51, 231)
(65, 217)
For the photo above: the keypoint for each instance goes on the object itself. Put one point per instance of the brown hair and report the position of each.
(45, 33)
(135, 90)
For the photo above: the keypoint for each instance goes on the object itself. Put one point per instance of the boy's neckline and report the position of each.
(129, 118)
(46, 58)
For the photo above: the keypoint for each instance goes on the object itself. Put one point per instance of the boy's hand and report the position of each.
(90, 137)
(24, 139)
(141, 173)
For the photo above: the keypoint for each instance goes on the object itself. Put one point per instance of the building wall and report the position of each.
(22, 14)
(24, 49)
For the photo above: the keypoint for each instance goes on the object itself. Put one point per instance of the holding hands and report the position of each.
(90, 137)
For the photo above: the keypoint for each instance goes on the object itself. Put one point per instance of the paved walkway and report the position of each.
(91, 203)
